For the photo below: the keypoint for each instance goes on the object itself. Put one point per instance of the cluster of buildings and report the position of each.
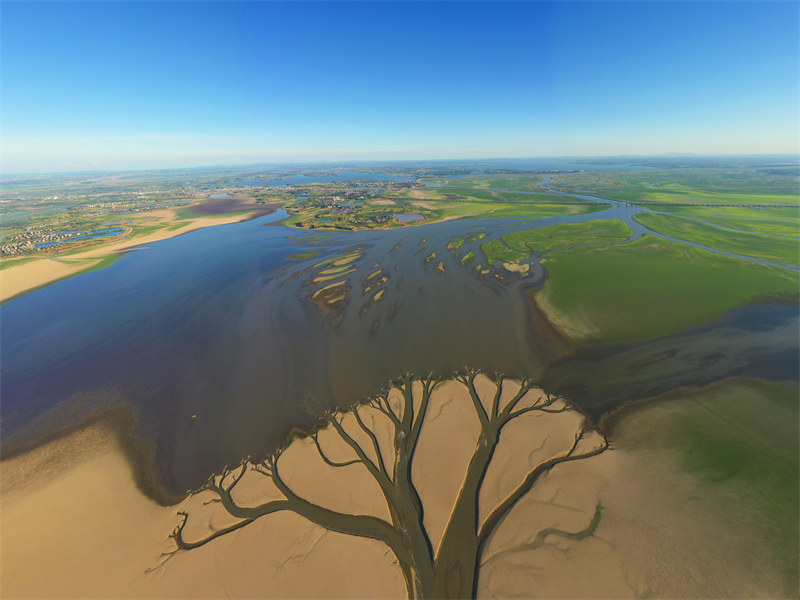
(26, 242)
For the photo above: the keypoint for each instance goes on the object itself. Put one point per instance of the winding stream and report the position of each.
(625, 211)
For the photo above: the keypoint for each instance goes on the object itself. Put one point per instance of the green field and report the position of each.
(650, 287)
(560, 236)
(764, 226)
(729, 185)
(451, 210)
(495, 250)
(780, 249)
(519, 245)
(787, 213)
(468, 194)
(516, 181)
(455, 243)
(703, 197)
(771, 221)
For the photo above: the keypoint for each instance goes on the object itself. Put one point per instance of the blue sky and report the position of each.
(114, 85)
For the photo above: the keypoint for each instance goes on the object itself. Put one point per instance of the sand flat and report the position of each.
(80, 528)
(88, 532)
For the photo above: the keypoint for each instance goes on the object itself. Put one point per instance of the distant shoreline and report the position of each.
(36, 272)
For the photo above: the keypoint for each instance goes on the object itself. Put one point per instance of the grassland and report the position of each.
(447, 210)
(780, 249)
(692, 196)
(519, 245)
(552, 237)
(455, 243)
(783, 221)
(472, 194)
(513, 181)
(784, 213)
(650, 287)
(758, 225)
(497, 251)
(452, 202)
(743, 185)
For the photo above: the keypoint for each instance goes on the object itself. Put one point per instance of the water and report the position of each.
(211, 323)
(220, 195)
(752, 341)
(211, 338)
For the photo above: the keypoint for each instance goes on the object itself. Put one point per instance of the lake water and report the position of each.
(211, 338)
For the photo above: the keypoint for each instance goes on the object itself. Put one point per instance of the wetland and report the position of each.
(227, 339)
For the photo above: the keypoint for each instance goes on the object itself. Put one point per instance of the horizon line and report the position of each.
(794, 155)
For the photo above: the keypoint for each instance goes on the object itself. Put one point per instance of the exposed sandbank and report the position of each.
(81, 528)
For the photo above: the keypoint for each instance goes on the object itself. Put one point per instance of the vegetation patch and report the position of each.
(482, 209)
(454, 244)
(554, 237)
(650, 287)
(707, 186)
(783, 213)
(779, 249)
(496, 251)
(787, 228)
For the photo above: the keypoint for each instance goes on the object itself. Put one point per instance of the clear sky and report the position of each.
(114, 85)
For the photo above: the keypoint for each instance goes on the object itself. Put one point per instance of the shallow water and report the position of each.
(211, 336)
(752, 341)
(212, 324)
